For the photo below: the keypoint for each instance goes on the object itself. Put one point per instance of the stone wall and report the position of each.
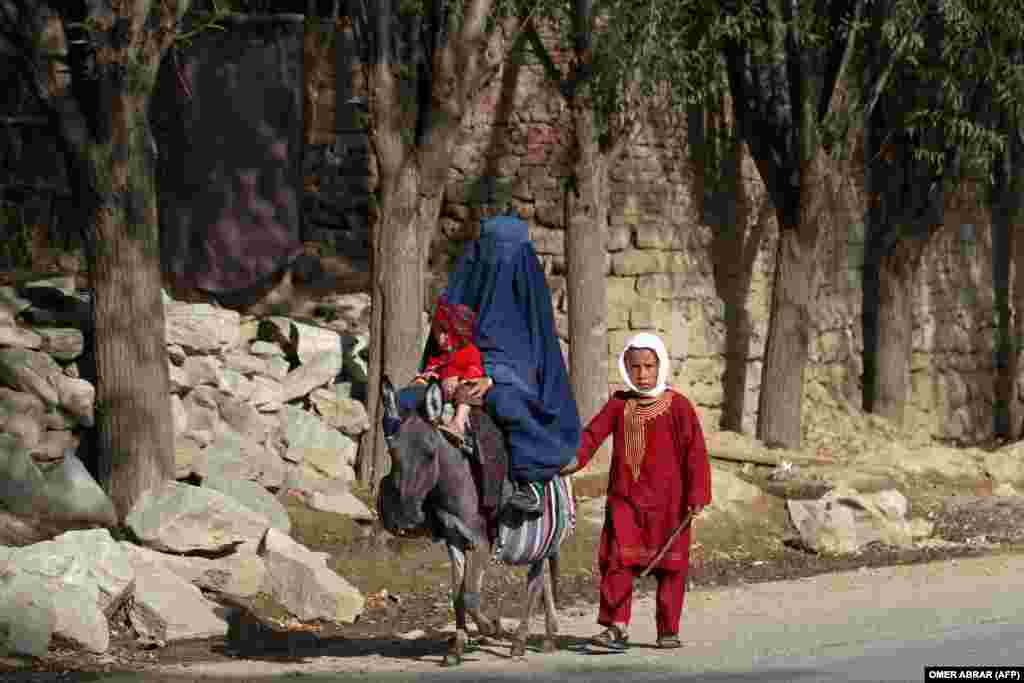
(661, 263)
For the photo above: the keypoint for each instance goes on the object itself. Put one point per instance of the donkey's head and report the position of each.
(417, 451)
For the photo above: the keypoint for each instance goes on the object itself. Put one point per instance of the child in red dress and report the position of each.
(458, 358)
(659, 473)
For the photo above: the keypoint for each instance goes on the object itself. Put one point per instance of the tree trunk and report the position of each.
(1016, 362)
(411, 186)
(780, 401)
(897, 274)
(1005, 382)
(398, 294)
(735, 251)
(133, 418)
(586, 236)
(1005, 208)
(104, 131)
(870, 297)
(785, 356)
(737, 351)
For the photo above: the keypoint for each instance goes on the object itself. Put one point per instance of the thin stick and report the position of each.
(687, 518)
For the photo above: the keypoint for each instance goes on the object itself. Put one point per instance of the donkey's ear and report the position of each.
(434, 401)
(390, 421)
(388, 397)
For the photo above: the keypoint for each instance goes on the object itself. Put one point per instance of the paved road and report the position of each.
(869, 625)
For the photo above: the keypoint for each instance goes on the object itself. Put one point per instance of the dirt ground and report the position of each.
(405, 580)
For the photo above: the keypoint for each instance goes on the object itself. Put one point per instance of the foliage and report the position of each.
(208, 20)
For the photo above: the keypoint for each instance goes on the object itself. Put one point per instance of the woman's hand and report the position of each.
(475, 389)
(571, 467)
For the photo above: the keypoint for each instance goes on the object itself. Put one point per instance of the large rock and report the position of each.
(179, 416)
(237, 456)
(300, 580)
(31, 372)
(277, 368)
(178, 378)
(245, 364)
(55, 445)
(234, 383)
(240, 574)
(22, 485)
(266, 349)
(844, 520)
(65, 495)
(243, 418)
(63, 343)
(320, 369)
(19, 403)
(340, 502)
(77, 617)
(253, 496)
(28, 431)
(180, 518)
(82, 557)
(202, 328)
(73, 496)
(266, 394)
(202, 414)
(314, 443)
(86, 573)
(186, 453)
(77, 397)
(202, 370)
(14, 335)
(167, 607)
(339, 410)
(312, 341)
(27, 620)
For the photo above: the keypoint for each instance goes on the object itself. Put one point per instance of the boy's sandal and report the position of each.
(611, 638)
(669, 642)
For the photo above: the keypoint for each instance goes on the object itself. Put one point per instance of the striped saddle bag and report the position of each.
(523, 540)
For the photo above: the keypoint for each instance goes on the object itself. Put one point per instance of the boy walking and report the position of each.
(659, 473)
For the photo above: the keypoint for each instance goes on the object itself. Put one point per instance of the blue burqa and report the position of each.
(500, 277)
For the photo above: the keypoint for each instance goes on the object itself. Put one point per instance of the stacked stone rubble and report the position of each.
(262, 408)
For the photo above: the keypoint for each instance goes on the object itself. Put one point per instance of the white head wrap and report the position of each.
(652, 342)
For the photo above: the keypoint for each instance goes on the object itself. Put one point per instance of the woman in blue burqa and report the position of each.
(526, 389)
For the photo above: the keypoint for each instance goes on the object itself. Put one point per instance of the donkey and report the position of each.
(432, 484)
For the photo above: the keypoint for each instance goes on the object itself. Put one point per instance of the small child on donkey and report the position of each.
(457, 360)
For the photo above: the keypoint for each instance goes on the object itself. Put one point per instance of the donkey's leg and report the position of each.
(555, 574)
(457, 644)
(476, 566)
(534, 588)
(550, 609)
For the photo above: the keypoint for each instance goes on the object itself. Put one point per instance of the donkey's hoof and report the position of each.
(548, 645)
(518, 649)
(452, 659)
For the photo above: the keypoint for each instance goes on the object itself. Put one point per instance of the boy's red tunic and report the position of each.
(659, 467)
